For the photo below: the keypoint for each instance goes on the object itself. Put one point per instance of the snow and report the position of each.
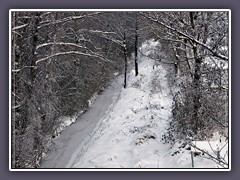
(116, 73)
(129, 136)
(215, 63)
(65, 121)
(64, 145)
(217, 144)
(129, 133)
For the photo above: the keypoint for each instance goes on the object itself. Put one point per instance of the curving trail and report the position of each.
(69, 140)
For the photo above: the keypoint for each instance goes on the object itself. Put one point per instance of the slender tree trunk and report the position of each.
(188, 63)
(33, 94)
(176, 64)
(196, 79)
(13, 149)
(33, 43)
(136, 46)
(196, 91)
(192, 19)
(125, 59)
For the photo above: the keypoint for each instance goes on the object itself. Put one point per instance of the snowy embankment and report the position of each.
(63, 146)
(130, 133)
(66, 121)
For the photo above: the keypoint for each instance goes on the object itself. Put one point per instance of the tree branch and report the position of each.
(59, 43)
(18, 70)
(225, 58)
(72, 52)
(19, 27)
(68, 19)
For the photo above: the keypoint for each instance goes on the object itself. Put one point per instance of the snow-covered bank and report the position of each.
(64, 146)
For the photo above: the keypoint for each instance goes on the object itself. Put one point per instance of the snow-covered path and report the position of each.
(68, 142)
(125, 128)
(130, 134)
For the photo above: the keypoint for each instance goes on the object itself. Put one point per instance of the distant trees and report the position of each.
(121, 29)
(117, 31)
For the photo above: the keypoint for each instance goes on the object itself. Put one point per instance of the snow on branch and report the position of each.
(220, 160)
(19, 104)
(225, 58)
(98, 31)
(44, 14)
(18, 70)
(105, 34)
(119, 42)
(59, 43)
(19, 27)
(73, 52)
(68, 19)
(173, 40)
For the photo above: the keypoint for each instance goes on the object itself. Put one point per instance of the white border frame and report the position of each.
(117, 10)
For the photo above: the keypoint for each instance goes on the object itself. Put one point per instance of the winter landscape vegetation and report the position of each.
(126, 89)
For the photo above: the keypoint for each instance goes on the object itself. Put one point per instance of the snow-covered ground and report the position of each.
(124, 128)
(64, 145)
(129, 136)
(130, 133)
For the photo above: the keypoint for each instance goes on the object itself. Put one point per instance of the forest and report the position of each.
(60, 60)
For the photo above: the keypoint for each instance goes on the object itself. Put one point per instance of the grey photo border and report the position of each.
(140, 4)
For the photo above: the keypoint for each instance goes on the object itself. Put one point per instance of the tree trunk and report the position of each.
(136, 46)
(196, 80)
(32, 105)
(192, 19)
(176, 64)
(33, 43)
(196, 91)
(13, 122)
(125, 59)
(186, 57)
